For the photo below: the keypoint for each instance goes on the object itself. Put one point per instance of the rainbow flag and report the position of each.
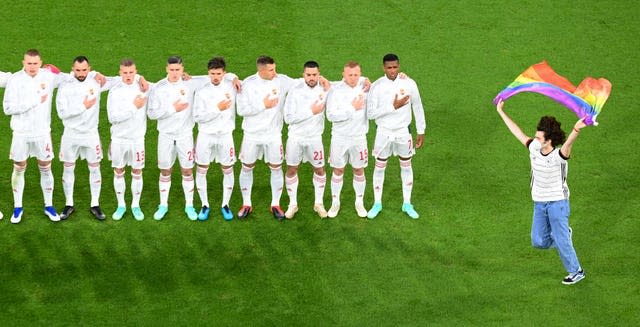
(586, 100)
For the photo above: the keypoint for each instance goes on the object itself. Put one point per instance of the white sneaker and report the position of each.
(319, 208)
(333, 211)
(574, 278)
(362, 212)
(291, 211)
(1, 215)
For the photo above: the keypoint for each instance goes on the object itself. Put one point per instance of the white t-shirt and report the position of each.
(548, 174)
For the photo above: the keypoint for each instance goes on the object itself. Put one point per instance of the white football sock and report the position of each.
(406, 174)
(277, 181)
(119, 186)
(359, 184)
(319, 182)
(136, 189)
(378, 180)
(227, 185)
(246, 182)
(292, 189)
(187, 187)
(46, 183)
(17, 183)
(336, 188)
(68, 179)
(164, 186)
(201, 185)
(95, 183)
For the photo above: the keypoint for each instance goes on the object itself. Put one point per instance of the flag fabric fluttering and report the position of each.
(586, 100)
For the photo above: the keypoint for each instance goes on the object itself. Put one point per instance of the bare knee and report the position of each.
(292, 171)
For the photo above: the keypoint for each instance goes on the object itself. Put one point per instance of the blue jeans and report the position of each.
(550, 228)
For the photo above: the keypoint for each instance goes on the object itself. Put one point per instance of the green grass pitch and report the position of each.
(466, 261)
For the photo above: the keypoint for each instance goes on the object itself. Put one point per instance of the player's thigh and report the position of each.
(403, 146)
(382, 146)
(185, 152)
(42, 148)
(250, 151)
(314, 152)
(91, 149)
(119, 154)
(166, 152)
(294, 153)
(338, 153)
(204, 149)
(19, 150)
(225, 150)
(274, 152)
(69, 149)
(137, 154)
(358, 154)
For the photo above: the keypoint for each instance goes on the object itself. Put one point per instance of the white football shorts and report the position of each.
(122, 153)
(25, 147)
(345, 151)
(169, 148)
(215, 148)
(87, 147)
(301, 150)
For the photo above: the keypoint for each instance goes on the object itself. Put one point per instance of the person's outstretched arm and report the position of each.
(513, 127)
(568, 144)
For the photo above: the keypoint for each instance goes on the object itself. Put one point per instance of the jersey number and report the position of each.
(363, 154)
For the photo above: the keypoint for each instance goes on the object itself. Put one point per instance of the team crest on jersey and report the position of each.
(227, 95)
(182, 92)
(43, 85)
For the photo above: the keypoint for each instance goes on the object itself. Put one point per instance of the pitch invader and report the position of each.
(78, 105)
(549, 153)
(261, 104)
(346, 110)
(214, 111)
(391, 102)
(171, 102)
(27, 100)
(304, 113)
(126, 108)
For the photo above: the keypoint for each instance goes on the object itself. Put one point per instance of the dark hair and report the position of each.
(80, 59)
(311, 64)
(390, 57)
(216, 63)
(552, 131)
(264, 60)
(126, 62)
(32, 53)
(174, 60)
